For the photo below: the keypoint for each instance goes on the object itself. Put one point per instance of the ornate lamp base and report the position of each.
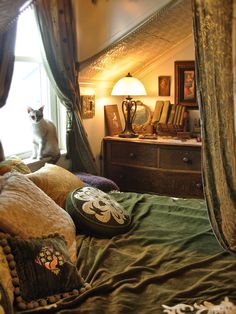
(129, 109)
(128, 135)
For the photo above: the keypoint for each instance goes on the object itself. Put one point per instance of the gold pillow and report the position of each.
(25, 210)
(56, 182)
(5, 276)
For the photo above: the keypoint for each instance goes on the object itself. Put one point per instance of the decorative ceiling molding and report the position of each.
(154, 63)
(164, 29)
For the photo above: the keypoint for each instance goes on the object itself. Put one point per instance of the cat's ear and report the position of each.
(29, 109)
(41, 108)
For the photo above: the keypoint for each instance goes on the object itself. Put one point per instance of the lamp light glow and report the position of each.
(128, 86)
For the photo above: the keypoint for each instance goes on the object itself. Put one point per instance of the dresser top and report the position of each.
(163, 140)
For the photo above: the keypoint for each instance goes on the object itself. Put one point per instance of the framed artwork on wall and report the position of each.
(87, 106)
(185, 86)
(164, 85)
(112, 119)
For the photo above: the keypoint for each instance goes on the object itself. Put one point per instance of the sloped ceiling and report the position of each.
(165, 29)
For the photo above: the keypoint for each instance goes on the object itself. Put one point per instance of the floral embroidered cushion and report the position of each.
(41, 269)
(96, 212)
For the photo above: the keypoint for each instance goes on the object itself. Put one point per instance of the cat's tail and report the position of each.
(54, 159)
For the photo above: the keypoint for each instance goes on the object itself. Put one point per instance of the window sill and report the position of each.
(35, 164)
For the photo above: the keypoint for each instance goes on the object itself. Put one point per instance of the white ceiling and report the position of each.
(157, 35)
(101, 23)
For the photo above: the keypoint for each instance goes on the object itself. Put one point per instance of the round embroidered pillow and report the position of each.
(96, 213)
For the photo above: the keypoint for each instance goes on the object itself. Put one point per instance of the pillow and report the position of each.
(102, 183)
(42, 272)
(27, 211)
(13, 163)
(95, 212)
(5, 303)
(5, 276)
(56, 182)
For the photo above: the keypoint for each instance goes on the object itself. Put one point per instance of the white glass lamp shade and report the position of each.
(128, 86)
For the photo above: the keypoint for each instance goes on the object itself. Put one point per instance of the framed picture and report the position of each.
(112, 119)
(88, 106)
(185, 87)
(164, 85)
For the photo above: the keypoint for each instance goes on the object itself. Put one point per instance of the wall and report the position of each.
(95, 127)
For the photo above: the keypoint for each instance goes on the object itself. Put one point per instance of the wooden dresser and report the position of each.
(163, 166)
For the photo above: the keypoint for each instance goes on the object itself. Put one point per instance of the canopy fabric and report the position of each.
(9, 11)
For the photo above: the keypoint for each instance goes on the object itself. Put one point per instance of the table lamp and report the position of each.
(128, 86)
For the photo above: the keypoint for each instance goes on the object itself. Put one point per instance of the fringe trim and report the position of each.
(11, 23)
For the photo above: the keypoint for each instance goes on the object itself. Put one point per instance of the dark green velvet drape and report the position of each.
(55, 20)
(214, 64)
(7, 59)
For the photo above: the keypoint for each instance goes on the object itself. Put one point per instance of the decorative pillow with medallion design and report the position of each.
(96, 212)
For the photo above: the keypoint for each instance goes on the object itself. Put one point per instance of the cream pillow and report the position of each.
(56, 182)
(13, 164)
(25, 210)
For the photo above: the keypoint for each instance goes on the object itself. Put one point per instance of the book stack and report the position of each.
(169, 118)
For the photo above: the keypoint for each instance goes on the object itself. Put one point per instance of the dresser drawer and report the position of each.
(183, 158)
(131, 178)
(151, 181)
(181, 184)
(133, 154)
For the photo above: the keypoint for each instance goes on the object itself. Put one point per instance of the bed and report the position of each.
(169, 257)
(167, 260)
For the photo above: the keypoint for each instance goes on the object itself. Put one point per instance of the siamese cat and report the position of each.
(45, 141)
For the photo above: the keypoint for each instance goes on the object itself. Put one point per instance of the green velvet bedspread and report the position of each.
(169, 256)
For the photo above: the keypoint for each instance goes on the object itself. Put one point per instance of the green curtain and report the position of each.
(212, 24)
(55, 20)
(7, 59)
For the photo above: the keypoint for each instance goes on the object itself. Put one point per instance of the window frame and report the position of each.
(55, 111)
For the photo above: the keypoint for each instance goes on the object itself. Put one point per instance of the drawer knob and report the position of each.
(198, 185)
(121, 176)
(186, 160)
(131, 155)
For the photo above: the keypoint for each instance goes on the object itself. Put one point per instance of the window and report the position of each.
(30, 87)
